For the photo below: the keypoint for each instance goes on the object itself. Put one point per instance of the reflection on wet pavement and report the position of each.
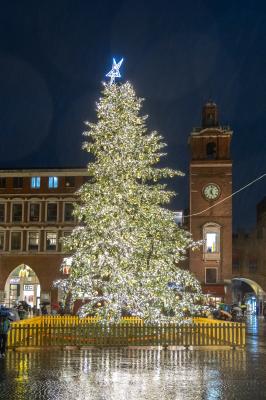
(136, 374)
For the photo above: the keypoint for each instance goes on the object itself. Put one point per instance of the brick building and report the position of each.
(231, 268)
(249, 262)
(35, 212)
(211, 182)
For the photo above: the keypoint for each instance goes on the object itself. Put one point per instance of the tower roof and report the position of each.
(210, 115)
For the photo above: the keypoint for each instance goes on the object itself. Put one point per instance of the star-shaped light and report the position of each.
(115, 73)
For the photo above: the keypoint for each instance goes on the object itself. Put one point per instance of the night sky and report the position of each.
(54, 56)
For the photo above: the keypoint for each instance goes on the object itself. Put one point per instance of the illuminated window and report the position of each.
(35, 182)
(53, 182)
(211, 237)
(179, 219)
(51, 240)
(34, 240)
(211, 242)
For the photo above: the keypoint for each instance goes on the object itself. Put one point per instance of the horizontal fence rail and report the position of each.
(74, 331)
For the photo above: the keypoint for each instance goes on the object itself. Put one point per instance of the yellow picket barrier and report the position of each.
(47, 331)
(229, 332)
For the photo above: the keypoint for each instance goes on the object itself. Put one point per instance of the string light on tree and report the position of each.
(125, 251)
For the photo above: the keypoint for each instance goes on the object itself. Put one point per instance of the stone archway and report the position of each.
(249, 292)
(22, 284)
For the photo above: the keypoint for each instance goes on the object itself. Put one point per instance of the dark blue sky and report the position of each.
(54, 55)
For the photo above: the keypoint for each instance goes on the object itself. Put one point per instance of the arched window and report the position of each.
(211, 238)
(211, 150)
(210, 117)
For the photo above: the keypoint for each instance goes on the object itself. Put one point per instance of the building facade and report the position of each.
(210, 188)
(35, 213)
(249, 263)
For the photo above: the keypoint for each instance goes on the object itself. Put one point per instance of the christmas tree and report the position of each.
(126, 247)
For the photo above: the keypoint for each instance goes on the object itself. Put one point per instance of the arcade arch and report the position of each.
(22, 284)
(247, 291)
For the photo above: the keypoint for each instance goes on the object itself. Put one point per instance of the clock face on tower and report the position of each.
(211, 191)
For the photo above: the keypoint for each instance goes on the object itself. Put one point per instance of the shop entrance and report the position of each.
(22, 285)
(248, 292)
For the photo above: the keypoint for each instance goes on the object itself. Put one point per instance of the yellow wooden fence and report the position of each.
(222, 331)
(64, 331)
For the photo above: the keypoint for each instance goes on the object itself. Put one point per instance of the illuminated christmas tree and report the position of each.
(127, 246)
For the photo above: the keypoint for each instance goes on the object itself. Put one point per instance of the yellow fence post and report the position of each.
(72, 330)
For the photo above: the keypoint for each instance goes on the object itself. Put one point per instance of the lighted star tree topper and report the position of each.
(126, 247)
(115, 73)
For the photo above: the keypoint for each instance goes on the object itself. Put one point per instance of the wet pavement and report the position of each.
(138, 374)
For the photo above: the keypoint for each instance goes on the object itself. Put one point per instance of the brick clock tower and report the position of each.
(211, 182)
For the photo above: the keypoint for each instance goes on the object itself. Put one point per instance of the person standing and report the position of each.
(4, 328)
(44, 310)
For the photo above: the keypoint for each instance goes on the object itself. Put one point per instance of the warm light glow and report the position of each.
(125, 251)
(211, 242)
(24, 272)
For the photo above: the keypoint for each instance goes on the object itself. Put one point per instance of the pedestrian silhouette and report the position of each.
(4, 328)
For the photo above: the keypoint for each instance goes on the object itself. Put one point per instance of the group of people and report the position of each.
(23, 309)
(229, 312)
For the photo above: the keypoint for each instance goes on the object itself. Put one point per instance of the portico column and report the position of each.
(21, 282)
(35, 293)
